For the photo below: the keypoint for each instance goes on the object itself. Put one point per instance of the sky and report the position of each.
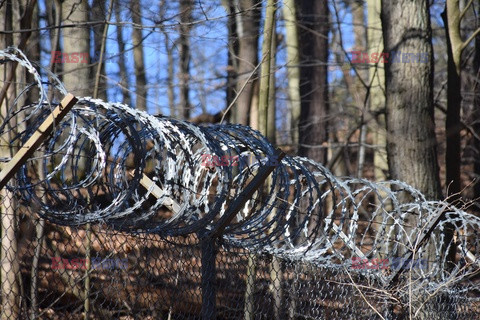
(209, 55)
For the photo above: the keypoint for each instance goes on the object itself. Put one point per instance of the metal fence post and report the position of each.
(209, 311)
(208, 238)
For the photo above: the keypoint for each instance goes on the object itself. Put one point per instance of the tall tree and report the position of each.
(124, 78)
(452, 17)
(476, 106)
(360, 92)
(248, 14)
(139, 64)
(186, 8)
(293, 71)
(15, 16)
(377, 88)
(266, 124)
(313, 19)
(76, 75)
(33, 49)
(229, 6)
(267, 83)
(98, 13)
(411, 142)
(10, 293)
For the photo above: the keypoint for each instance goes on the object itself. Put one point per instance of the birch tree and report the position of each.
(293, 71)
(76, 75)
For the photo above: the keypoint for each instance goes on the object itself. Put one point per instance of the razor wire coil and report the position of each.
(93, 167)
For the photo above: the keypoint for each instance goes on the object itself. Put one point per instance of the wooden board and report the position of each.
(36, 139)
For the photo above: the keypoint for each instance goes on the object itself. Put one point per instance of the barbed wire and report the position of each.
(109, 163)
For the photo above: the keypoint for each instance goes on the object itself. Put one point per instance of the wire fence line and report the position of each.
(114, 214)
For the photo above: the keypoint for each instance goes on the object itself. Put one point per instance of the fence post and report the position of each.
(36, 139)
(208, 238)
(209, 272)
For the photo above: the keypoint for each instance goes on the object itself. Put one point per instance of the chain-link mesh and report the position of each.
(147, 277)
(133, 214)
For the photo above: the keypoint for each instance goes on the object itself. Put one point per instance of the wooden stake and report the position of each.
(36, 139)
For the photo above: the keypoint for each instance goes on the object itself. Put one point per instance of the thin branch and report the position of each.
(241, 89)
(102, 49)
(465, 9)
(472, 36)
(363, 296)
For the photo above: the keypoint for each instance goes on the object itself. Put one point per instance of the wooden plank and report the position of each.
(36, 139)
(347, 241)
(158, 192)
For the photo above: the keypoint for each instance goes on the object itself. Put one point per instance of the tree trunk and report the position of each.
(98, 13)
(33, 52)
(411, 141)
(293, 71)
(248, 25)
(377, 88)
(124, 78)
(232, 51)
(13, 80)
(186, 7)
(453, 125)
(267, 55)
(411, 147)
(476, 112)
(452, 18)
(139, 64)
(54, 17)
(313, 124)
(360, 91)
(266, 124)
(76, 75)
(272, 91)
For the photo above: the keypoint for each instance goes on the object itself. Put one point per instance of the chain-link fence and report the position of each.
(56, 272)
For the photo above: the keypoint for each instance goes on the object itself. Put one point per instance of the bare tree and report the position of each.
(313, 18)
(409, 97)
(124, 79)
(411, 141)
(267, 84)
(248, 14)
(229, 6)
(377, 89)
(186, 8)
(76, 74)
(12, 80)
(137, 41)
(293, 60)
(98, 13)
(452, 17)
